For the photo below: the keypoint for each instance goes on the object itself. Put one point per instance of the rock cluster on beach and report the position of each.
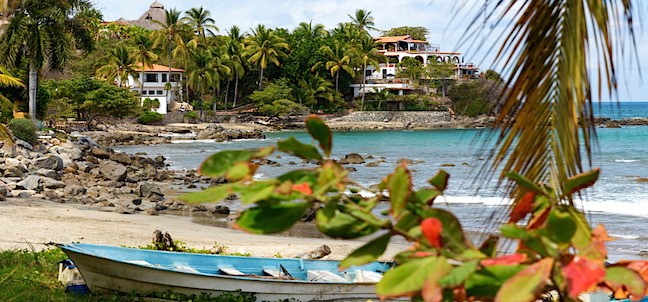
(84, 172)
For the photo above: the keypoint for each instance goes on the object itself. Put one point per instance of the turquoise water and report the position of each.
(618, 200)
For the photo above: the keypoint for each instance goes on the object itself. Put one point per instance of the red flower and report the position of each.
(432, 228)
(304, 188)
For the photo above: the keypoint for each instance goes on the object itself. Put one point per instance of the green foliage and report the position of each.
(151, 103)
(416, 32)
(24, 129)
(476, 97)
(150, 118)
(277, 99)
(191, 115)
(557, 243)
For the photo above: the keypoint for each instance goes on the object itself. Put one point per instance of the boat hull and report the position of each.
(104, 274)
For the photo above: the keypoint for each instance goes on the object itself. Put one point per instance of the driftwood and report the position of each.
(163, 242)
(317, 253)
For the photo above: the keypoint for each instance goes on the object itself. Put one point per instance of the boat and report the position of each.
(110, 268)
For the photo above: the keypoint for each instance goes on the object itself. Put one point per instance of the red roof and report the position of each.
(159, 68)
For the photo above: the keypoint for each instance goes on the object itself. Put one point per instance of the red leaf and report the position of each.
(599, 237)
(522, 207)
(583, 274)
(539, 220)
(431, 291)
(303, 188)
(432, 228)
(505, 260)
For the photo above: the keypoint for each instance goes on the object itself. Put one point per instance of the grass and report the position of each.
(32, 276)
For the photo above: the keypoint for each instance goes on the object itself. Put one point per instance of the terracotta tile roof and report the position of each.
(159, 68)
(391, 39)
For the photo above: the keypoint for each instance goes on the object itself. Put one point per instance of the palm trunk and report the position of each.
(168, 79)
(260, 78)
(141, 80)
(337, 78)
(227, 93)
(33, 87)
(364, 77)
(235, 90)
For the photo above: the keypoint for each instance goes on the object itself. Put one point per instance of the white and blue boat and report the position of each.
(110, 268)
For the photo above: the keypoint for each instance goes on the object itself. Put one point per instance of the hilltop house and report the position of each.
(154, 80)
(397, 48)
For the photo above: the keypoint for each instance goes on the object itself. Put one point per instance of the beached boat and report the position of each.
(109, 268)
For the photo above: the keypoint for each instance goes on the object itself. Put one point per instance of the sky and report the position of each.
(446, 20)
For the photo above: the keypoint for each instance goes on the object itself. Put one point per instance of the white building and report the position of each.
(154, 80)
(397, 48)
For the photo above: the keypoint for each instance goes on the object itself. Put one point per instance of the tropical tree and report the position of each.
(367, 53)
(441, 73)
(27, 38)
(143, 56)
(200, 74)
(339, 59)
(170, 34)
(263, 46)
(117, 65)
(236, 62)
(7, 79)
(221, 70)
(348, 33)
(200, 20)
(363, 20)
(309, 31)
(316, 91)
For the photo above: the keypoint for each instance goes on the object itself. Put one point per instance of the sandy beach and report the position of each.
(35, 222)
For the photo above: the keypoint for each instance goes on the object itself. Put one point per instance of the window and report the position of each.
(175, 77)
(151, 78)
(143, 92)
(151, 92)
(159, 92)
(164, 78)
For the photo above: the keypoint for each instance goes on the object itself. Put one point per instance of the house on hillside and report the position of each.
(154, 80)
(397, 48)
(146, 20)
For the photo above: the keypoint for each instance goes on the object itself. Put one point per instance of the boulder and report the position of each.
(352, 158)
(113, 170)
(74, 190)
(99, 152)
(211, 132)
(124, 210)
(32, 182)
(373, 164)
(47, 173)
(406, 161)
(148, 190)
(51, 162)
(51, 183)
(121, 158)
(223, 210)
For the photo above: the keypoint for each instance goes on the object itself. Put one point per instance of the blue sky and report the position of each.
(439, 16)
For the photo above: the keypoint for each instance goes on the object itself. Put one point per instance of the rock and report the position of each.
(32, 182)
(160, 207)
(121, 158)
(3, 191)
(448, 165)
(211, 132)
(51, 162)
(124, 210)
(112, 170)
(99, 152)
(74, 190)
(351, 169)
(51, 183)
(55, 141)
(224, 210)
(405, 161)
(23, 193)
(24, 144)
(152, 212)
(198, 208)
(352, 158)
(47, 173)
(159, 161)
(373, 164)
(147, 190)
(137, 201)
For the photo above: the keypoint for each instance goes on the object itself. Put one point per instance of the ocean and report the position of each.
(619, 200)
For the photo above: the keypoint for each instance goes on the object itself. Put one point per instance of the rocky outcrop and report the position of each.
(352, 158)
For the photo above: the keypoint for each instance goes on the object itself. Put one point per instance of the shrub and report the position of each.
(191, 115)
(150, 117)
(24, 129)
(151, 103)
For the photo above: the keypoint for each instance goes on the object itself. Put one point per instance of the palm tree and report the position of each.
(200, 20)
(143, 56)
(348, 33)
(339, 59)
(316, 90)
(310, 31)
(264, 46)
(7, 79)
(171, 31)
(234, 49)
(118, 64)
(221, 70)
(363, 20)
(27, 38)
(200, 74)
(368, 55)
(546, 124)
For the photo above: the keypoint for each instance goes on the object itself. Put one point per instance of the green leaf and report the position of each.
(321, 132)
(459, 274)
(618, 275)
(527, 283)
(218, 164)
(525, 183)
(489, 247)
(337, 224)
(241, 171)
(367, 253)
(487, 281)
(440, 180)
(560, 226)
(271, 219)
(211, 194)
(531, 239)
(583, 236)
(297, 148)
(400, 189)
(408, 278)
(407, 221)
(256, 191)
(581, 181)
(299, 176)
(426, 196)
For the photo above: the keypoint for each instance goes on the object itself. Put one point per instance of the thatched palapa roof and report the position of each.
(155, 12)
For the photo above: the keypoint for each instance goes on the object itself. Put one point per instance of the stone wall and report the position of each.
(405, 117)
